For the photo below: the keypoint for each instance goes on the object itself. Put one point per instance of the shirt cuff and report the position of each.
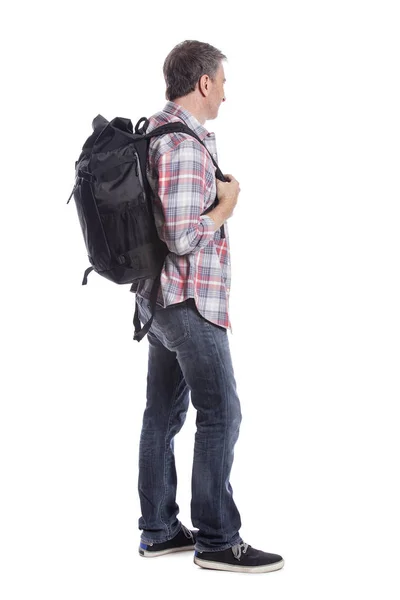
(208, 225)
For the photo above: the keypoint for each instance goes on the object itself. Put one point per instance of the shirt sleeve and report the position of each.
(184, 183)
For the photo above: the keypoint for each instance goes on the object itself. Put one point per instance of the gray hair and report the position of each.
(186, 63)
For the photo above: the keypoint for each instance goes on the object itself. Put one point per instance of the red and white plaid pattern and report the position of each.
(182, 175)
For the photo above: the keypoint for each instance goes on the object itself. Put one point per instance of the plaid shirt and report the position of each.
(182, 175)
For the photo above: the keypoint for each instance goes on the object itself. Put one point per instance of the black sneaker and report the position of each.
(185, 539)
(241, 558)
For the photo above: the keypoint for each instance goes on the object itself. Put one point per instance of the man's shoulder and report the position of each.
(167, 142)
(160, 118)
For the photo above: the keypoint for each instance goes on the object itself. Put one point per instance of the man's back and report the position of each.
(182, 176)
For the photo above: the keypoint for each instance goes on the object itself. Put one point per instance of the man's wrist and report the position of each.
(219, 215)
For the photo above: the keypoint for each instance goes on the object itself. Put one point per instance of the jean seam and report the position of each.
(226, 423)
(165, 451)
(225, 435)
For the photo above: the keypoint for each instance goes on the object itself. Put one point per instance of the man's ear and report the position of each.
(204, 83)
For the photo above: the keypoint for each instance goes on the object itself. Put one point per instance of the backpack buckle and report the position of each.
(86, 175)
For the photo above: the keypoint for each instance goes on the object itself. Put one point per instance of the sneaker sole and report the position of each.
(154, 553)
(209, 564)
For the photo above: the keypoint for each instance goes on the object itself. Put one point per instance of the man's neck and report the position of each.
(193, 107)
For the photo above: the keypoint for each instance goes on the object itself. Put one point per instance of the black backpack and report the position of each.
(114, 203)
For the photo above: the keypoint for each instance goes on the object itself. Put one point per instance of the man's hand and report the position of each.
(227, 193)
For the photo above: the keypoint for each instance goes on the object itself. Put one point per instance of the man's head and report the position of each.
(194, 76)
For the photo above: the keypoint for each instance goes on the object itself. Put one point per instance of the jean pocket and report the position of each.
(172, 322)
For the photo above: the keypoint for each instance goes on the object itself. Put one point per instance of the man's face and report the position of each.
(216, 95)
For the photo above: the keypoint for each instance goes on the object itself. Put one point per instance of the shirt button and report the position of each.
(214, 155)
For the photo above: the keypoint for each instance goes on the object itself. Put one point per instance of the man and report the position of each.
(188, 342)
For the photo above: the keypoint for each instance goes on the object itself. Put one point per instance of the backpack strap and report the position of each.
(140, 332)
(182, 128)
(85, 275)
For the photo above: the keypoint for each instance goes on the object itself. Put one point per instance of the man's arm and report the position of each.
(184, 182)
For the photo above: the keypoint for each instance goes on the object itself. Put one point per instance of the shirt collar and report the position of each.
(178, 111)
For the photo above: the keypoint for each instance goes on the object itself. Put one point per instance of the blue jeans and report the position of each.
(188, 353)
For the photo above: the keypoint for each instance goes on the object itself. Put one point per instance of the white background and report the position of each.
(310, 129)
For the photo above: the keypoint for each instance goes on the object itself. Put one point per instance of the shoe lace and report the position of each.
(187, 532)
(238, 548)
